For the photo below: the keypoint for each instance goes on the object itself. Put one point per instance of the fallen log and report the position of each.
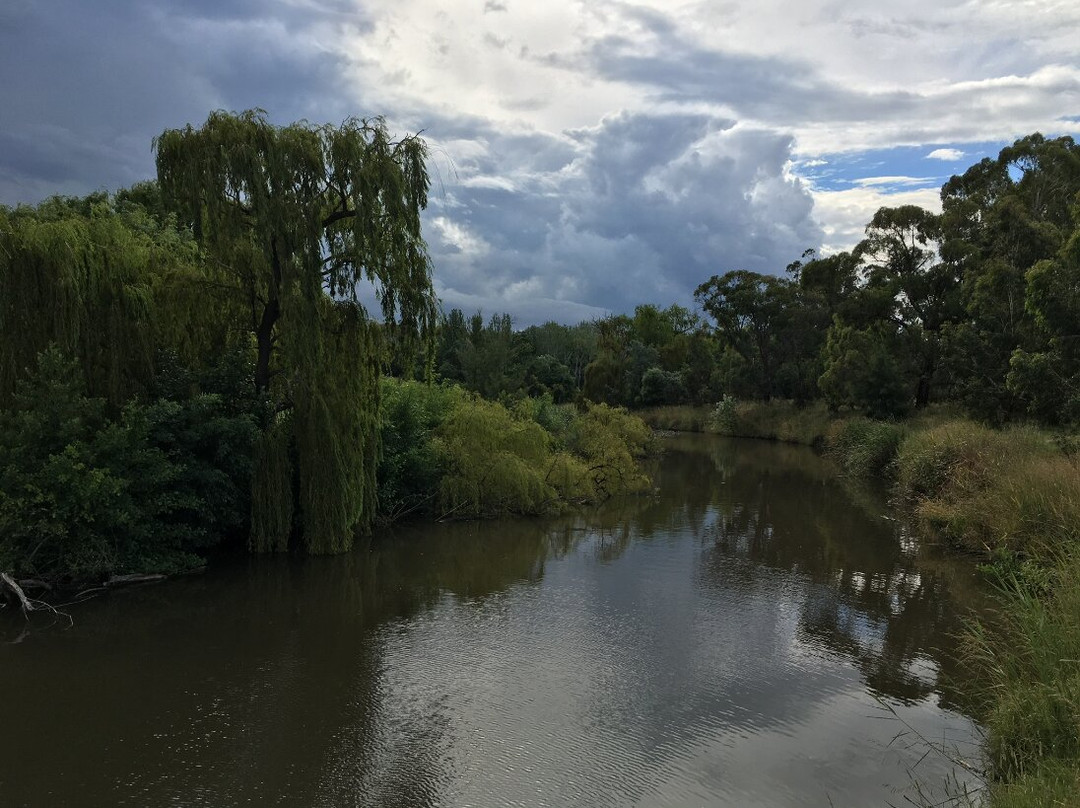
(13, 591)
(134, 578)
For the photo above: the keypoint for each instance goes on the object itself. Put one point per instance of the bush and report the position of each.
(724, 419)
(609, 440)
(410, 466)
(495, 463)
(83, 496)
(864, 448)
(450, 452)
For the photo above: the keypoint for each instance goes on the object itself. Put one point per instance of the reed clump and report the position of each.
(1028, 663)
(677, 418)
(992, 490)
(864, 447)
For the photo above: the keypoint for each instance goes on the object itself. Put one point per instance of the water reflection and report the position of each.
(718, 643)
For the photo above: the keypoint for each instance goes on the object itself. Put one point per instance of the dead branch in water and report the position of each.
(14, 591)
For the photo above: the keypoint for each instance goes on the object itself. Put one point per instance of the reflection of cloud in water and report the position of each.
(719, 643)
(655, 677)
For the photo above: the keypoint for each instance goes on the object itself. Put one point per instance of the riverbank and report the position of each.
(1013, 497)
(79, 508)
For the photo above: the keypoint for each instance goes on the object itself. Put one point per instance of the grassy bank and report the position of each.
(1011, 495)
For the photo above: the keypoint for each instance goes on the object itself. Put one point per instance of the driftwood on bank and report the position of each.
(135, 578)
(12, 591)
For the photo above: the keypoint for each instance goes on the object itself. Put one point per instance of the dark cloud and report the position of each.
(763, 87)
(565, 226)
(645, 209)
(87, 86)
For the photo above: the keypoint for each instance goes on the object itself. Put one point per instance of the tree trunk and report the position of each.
(264, 333)
(264, 342)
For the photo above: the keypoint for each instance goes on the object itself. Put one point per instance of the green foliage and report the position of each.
(1047, 379)
(546, 375)
(861, 372)
(723, 418)
(273, 498)
(446, 452)
(556, 419)
(661, 387)
(609, 439)
(84, 274)
(83, 496)
(605, 378)
(863, 447)
(410, 464)
(496, 463)
(1030, 686)
(299, 218)
(450, 453)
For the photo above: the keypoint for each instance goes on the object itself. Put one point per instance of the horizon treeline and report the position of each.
(978, 305)
(189, 361)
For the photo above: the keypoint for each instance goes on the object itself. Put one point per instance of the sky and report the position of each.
(586, 155)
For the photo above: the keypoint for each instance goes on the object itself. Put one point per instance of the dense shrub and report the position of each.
(83, 495)
(495, 463)
(446, 452)
(410, 466)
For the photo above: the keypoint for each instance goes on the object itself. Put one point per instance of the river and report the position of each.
(757, 633)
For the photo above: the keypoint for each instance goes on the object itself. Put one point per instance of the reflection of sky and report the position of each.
(633, 682)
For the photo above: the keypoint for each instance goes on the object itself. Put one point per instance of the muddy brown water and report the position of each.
(757, 633)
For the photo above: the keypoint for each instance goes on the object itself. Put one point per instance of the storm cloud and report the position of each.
(584, 157)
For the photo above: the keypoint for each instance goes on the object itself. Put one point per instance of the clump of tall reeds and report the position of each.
(865, 448)
(987, 489)
(1028, 660)
(676, 418)
(786, 421)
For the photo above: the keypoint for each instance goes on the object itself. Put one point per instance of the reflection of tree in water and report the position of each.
(269, 677)
(868, 599)
(256, 681)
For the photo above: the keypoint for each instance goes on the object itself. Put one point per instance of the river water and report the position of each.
(755, 634)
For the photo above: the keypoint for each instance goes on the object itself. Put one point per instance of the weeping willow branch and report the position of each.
(302, 217)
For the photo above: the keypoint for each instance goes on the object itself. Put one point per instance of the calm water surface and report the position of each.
(756, 634)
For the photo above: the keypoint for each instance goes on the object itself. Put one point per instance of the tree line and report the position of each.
(978, 305)
(193, 359)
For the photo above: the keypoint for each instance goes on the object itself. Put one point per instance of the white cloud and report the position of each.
(896, 182)
(844, 214)
(949, 155)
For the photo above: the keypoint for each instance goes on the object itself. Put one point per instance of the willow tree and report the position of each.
(81, 274)
(308, 221)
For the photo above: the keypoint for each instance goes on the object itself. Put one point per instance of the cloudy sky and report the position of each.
(587, 155)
